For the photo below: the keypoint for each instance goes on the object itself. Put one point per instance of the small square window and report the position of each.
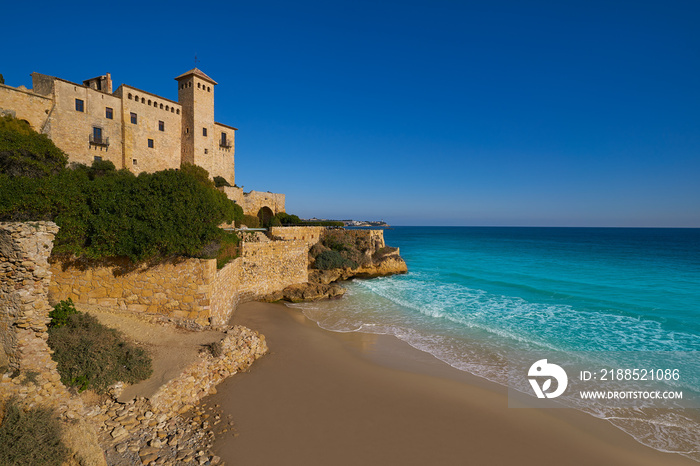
(79, 105)
(134, 118)
(98, 158)
(109, 113)
(204, 131)
(206, 151)
(134, 162)
(150, 143)
(161, 126)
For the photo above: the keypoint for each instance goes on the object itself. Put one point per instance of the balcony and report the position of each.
(99, 140)
(225, 144)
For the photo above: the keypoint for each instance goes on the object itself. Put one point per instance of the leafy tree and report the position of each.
(24, 152)
(199, 173)
(103, 212)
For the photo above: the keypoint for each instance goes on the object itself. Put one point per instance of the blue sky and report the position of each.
(418, 112)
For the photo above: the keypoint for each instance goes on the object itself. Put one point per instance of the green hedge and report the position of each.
(103, 212)
(108, 213)
(24, 152)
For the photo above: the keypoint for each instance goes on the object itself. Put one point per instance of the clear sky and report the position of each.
(553, 113)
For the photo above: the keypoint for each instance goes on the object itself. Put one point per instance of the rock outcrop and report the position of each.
(362, 253)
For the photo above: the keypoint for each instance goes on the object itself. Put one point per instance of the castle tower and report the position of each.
(199, 139)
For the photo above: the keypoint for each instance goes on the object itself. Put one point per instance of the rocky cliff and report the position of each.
(342, 255)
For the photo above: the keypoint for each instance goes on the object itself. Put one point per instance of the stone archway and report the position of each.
(265, 215)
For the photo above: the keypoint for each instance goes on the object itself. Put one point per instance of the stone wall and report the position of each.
(261, 269)
(253, 201)
(176, 288)
(375, 237)
(310, 235)
(29, 373)
(239, 349)
(223, 160)
(22, 103)
(184, 290)
(150, 111)
(166, 133)
(71, 130)
(274, 265)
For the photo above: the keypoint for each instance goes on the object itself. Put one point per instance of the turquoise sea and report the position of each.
(476, 296)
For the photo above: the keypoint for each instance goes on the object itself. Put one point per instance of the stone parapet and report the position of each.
(310, 235)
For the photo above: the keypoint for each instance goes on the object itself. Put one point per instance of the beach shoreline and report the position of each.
(322, 397)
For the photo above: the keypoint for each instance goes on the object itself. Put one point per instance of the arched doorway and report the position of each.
(265, 215)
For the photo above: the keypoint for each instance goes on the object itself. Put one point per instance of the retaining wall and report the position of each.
(191, 290)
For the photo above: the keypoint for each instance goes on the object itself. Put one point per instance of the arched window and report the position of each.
(208, 89)
(149, 102)
(178, 111)
(130, 96)
(161, 106)
(136, 98)
(172, 110)
(167, 107)
(143, 100)
(199, 85)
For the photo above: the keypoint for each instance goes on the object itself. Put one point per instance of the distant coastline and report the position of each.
(353, 223)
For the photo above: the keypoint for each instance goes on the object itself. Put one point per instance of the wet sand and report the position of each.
(325, 398)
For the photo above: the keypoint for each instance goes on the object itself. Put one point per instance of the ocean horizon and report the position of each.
(482, 298)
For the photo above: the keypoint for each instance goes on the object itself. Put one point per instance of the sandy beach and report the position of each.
(325, 398)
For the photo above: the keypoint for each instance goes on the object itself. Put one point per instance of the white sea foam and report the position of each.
(475, 331)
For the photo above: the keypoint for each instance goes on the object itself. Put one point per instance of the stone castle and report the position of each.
(135, 129)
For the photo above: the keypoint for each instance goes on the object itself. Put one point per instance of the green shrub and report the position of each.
(90, 355)
(60, 313)
(110, 213)
(32, 437)
(223, 249)
(103, 212)
(24, 152)
(327, 260)
(220, 181)
(198, 173)
(251, 221)
(286, 219)
(101, 168)
(216, 349)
